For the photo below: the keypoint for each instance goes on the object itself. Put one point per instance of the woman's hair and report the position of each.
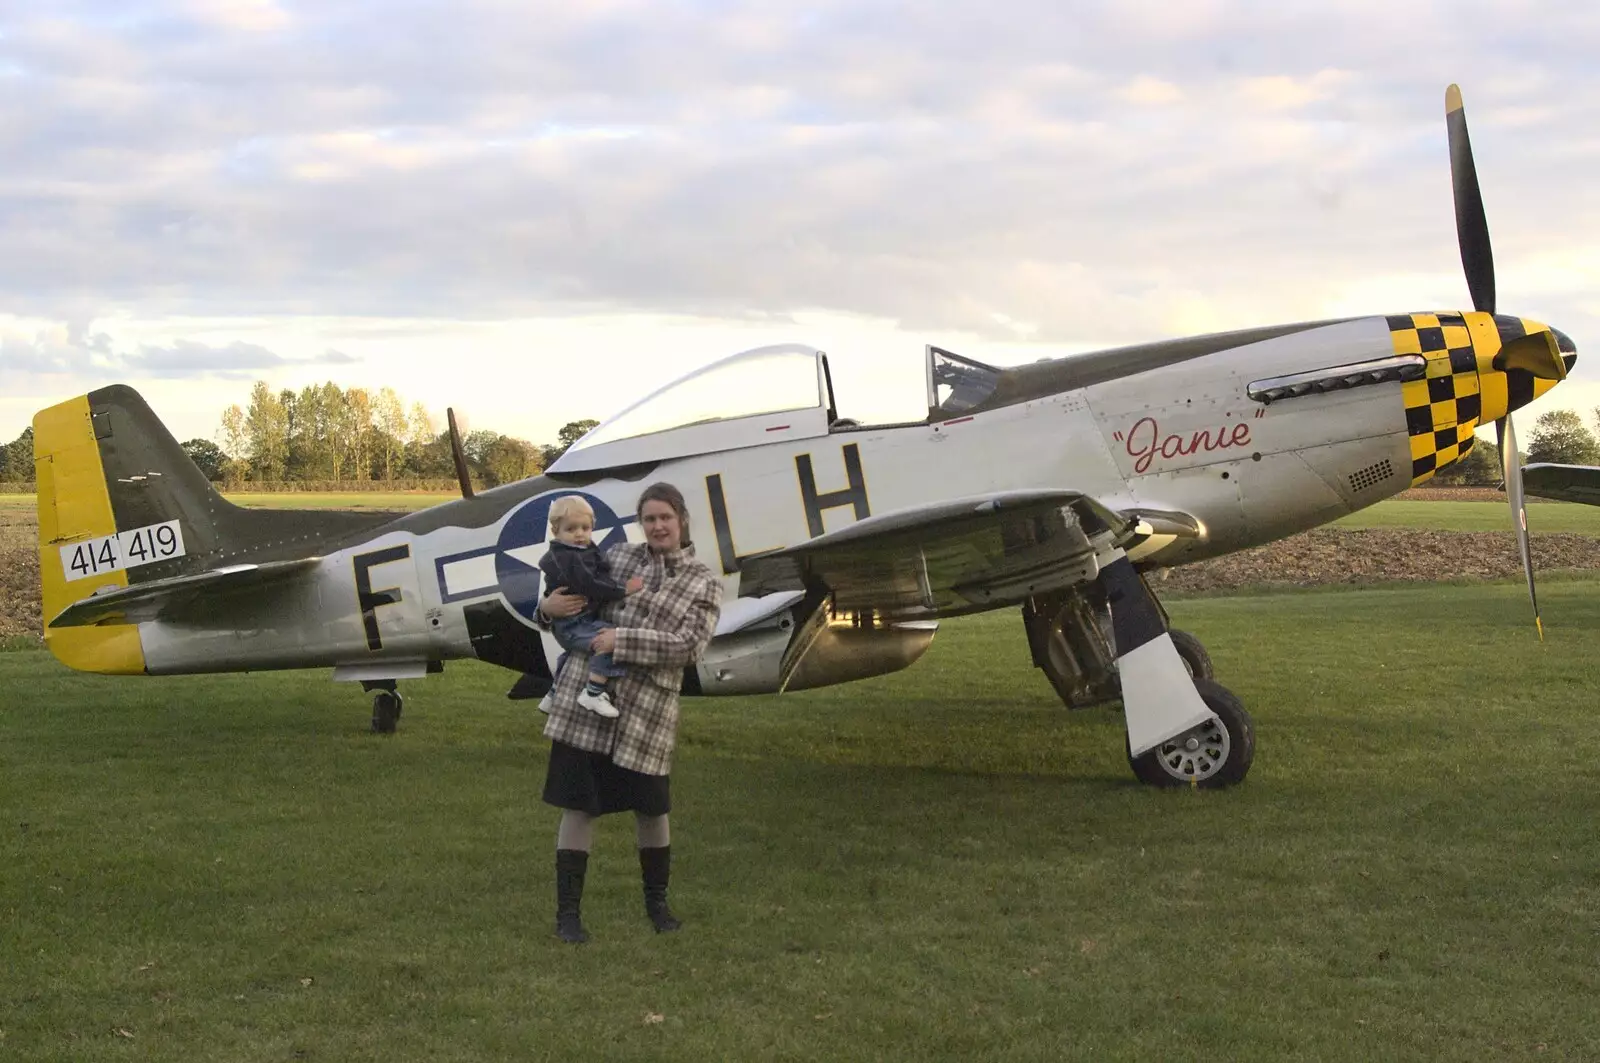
(665, 492)
(567, 506)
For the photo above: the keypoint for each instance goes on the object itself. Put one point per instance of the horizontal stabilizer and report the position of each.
(181, 596)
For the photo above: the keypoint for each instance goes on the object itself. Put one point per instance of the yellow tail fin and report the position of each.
(75, 511)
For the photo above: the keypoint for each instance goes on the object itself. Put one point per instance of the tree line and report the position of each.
(327, 434)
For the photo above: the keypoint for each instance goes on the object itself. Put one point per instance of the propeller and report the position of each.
(1506, 434)
(1472, 228)
(1535, 354)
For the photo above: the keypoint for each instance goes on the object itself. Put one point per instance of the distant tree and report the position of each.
(296, 459)
(390, 414)
(508, 460)
(235, 443)
(422, 425)
(267, 425)
(208, 456)
(1480, 468)
(570, 433)
(357, 419)
(476, 444)
(16, 459)
(1560, 436)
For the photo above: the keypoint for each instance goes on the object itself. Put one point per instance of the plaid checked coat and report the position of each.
(660, 631)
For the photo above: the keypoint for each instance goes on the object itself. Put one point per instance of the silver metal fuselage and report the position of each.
(1182, 438)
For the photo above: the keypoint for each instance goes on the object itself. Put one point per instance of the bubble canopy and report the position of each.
(764, 395)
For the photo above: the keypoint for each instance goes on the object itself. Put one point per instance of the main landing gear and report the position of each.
(1109, 640)
(386, 705)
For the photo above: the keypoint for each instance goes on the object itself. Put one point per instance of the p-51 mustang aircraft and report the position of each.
(1051, 487)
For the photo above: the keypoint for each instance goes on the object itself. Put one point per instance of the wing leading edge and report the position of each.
(1565, 483)
(949, 558)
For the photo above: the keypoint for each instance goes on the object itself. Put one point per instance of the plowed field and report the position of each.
(19, 572)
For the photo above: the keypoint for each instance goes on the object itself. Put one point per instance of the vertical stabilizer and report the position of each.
(76, 521)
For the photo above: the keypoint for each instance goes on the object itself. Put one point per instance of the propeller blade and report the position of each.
(1472, 228)
(1512, 468)
(1537, 353)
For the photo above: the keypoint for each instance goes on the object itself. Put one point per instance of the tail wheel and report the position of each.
(1213, 755)
(1193, 653)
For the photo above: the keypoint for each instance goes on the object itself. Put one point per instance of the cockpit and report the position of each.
(765, 395)
(957, 384)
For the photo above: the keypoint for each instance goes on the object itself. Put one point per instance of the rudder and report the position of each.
(75, 517)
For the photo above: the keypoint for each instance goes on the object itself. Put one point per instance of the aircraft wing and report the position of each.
(948, 558)
(169, 599)
(1568, 483)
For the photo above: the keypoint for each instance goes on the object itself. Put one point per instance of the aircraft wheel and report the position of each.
(386, 706)
(1215, 754)
(1193, 653)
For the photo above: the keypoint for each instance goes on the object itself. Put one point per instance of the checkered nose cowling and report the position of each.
(1461, 389)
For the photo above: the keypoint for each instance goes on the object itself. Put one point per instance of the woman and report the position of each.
(600, 765)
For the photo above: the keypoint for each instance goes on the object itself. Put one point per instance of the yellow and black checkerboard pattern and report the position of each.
(1446, 405)
(1461, 388)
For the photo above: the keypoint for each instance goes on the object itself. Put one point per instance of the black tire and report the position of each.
(1194, 654)
(1224, 754)
(386, 707)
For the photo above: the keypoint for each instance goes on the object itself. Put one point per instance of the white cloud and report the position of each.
(490, 171)
(1148, 90)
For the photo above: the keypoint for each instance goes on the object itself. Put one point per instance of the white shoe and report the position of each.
(544, 702)
(599, 704)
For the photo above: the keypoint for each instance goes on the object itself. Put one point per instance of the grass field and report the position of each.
(935, 865)
(1474, 516)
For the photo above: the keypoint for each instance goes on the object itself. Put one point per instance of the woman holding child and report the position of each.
(603, 763)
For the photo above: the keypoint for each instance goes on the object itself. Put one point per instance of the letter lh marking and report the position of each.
(854, 495)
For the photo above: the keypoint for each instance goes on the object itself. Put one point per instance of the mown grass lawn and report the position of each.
(939, 864)
(1474, 516)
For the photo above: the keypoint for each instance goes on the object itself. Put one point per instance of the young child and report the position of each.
(573, 561)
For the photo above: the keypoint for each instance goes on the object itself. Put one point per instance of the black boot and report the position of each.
(570, 867)
(655, 866)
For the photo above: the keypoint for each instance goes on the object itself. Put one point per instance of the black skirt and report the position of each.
(593, 783)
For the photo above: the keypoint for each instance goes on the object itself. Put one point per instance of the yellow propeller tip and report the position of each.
(1540, 625)
(1452, 99)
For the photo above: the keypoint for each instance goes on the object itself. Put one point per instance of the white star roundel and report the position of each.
(525, 537)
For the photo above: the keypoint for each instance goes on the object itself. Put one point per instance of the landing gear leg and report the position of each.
(386, 705)
(1110, 639)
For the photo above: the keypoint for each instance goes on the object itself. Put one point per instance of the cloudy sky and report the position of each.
(537, 211)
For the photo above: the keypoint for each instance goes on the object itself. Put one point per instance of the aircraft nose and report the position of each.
(1568, 349)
